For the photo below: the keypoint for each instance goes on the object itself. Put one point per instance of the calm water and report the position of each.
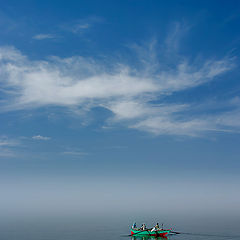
(97, 229)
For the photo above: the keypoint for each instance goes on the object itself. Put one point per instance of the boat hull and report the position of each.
(158, 233)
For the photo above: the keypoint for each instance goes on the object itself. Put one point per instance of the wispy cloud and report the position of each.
(4, 141)
(7, 145)
(177, 32)
(44, 36)
(5, 152)
(132, 93)
(80, 26)
(39, 137)
(117, 147)
(76, 153)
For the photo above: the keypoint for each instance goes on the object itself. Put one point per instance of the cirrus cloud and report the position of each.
(39, 137)
(7, 146)
(128, 92)
(43, 36)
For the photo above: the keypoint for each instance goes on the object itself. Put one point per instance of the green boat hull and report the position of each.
(158, 233)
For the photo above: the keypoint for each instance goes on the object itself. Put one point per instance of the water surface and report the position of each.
(83, 228)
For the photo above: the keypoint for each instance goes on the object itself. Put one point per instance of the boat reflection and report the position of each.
(148, 238)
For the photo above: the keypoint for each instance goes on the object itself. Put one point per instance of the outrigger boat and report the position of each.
(149, 232)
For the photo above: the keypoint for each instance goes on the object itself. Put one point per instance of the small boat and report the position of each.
(149, 232)
(148, 238)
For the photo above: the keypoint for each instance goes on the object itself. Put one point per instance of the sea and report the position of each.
(114, 228)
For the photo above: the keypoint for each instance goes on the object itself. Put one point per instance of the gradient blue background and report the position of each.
(57, 160)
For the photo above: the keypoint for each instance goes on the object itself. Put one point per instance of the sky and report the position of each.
(101, 101)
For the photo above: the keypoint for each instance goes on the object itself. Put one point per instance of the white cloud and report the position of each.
(69, 81)
(4, 141)
(76, 153)
(128, 92)
(7, 145)
(43, 36)
(166, 125)
(39, 137)
(177, 32)
(80, 26)
(8, 142)
(6, 152)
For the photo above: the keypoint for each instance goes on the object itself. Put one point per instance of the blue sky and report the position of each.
(119, 93)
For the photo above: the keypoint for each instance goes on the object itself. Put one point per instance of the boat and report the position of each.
(148, 238)
(149, 232)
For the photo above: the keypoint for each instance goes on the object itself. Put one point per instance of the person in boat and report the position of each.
(155, 228)
(134, 225)
(143, 227)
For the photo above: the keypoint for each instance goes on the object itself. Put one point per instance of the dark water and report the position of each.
(105, 229)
